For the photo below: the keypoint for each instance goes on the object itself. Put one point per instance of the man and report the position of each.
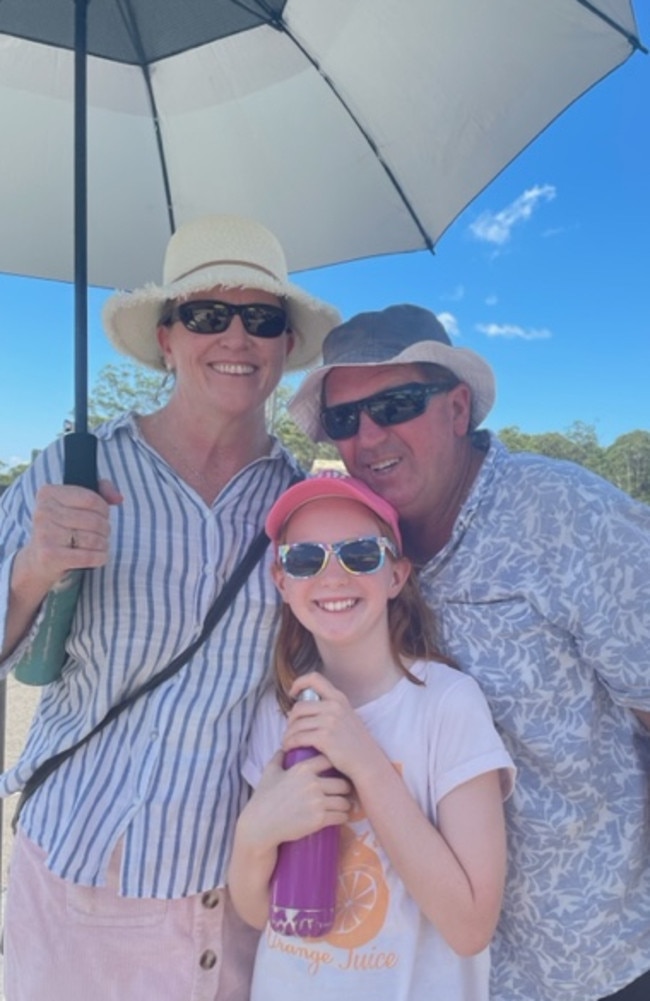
(538, 571)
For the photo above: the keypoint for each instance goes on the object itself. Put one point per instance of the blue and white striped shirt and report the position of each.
(165, 775)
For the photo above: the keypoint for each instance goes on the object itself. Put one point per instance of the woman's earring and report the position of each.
(167, 383)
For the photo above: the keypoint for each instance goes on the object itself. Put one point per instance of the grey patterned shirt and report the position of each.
(543, 595)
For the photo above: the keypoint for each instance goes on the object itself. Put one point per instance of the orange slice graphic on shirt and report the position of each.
(362, 894)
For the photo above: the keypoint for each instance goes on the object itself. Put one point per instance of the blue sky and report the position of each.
(546, 274)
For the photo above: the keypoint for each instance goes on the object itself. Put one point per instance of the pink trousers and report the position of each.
(66, 942)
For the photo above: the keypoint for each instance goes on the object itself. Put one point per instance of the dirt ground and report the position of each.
(20, 702)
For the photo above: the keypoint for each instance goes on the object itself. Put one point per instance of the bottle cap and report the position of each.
(308, 695)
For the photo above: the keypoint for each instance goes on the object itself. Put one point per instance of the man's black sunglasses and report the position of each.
(391, 406)
(209, 316)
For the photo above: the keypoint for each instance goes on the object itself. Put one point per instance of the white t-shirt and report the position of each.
(438, 736)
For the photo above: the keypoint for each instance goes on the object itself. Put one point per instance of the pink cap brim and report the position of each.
(325, 485)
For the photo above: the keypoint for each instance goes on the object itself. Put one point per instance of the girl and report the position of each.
(423, 856)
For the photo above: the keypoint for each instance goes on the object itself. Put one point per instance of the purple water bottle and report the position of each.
(303, 885)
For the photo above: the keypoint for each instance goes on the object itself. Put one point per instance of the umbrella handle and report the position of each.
(43, 660)
(80, 459)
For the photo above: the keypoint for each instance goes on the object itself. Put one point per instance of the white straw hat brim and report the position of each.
(131, 318)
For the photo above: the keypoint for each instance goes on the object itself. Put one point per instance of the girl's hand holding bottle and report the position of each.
(288, 804)
(332, 726)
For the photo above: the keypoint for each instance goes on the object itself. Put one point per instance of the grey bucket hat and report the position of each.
(397, 335)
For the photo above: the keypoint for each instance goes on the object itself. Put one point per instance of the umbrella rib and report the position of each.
(130, 21)
(269, 17)
(276, 21)
(632, 39)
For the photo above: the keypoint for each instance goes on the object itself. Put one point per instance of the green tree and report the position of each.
(516, 440)
(578, 444)
(9, 473)
(627, 464)
(126, 387)
(296, 441)
(588, 451)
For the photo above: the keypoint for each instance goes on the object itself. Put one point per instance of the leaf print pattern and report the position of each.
(543, 596)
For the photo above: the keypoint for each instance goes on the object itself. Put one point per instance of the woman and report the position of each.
(120, 855)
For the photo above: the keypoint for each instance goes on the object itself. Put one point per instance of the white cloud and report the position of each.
(491, 300)
(456, 294)
(450, 323)
(496, 227)
(511, 330)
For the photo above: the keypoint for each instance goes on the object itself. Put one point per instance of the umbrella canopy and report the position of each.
(349, 127)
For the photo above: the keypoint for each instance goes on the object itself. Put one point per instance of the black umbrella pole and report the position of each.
(81, 447)
(80, 219)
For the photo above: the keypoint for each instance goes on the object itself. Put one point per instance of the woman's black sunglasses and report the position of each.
(209, 316)
(391, 406)
(357, 556)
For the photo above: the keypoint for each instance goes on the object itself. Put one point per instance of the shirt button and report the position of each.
(208, 960)
(210, 899)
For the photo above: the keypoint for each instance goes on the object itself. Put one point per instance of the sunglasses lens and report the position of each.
(204, 317)
(264, 321)
(361, 555)
(396, 406)
(341, 422)
(303, 559)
